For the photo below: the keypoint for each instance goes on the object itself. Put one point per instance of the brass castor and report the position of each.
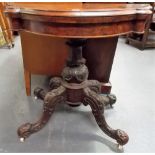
(22, 139)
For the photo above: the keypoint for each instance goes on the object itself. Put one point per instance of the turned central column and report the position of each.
(75, 54)
(75, 74)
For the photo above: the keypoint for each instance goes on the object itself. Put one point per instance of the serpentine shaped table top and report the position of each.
(80, 9)
(78, 20)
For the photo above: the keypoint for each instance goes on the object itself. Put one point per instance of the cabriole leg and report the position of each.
(94, 100)
(51, 99)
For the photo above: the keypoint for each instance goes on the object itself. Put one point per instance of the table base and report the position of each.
(74, 89)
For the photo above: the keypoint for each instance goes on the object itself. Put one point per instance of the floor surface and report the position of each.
(74, 129)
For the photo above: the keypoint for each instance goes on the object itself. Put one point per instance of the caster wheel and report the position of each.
(39, 93)
(22, 139)
(35, 97)
(120, 147)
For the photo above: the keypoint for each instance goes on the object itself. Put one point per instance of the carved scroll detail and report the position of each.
(94, 100)
(51, 100)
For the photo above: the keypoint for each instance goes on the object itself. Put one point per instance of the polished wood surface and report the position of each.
(73, 8)
(76, 20)
(43, 54)
(78, 25)
(37, 49)
(99, 61)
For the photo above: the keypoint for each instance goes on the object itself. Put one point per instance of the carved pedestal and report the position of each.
(74, 88)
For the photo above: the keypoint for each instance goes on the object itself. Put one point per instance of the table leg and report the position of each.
(97, 105)
(51, 99)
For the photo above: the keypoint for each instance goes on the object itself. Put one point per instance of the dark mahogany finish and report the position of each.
(77, 22)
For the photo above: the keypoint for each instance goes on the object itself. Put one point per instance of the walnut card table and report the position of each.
(76, 22)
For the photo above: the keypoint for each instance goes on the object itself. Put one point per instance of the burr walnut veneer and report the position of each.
(77, 23)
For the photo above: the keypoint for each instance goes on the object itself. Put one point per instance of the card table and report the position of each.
(77, 22)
